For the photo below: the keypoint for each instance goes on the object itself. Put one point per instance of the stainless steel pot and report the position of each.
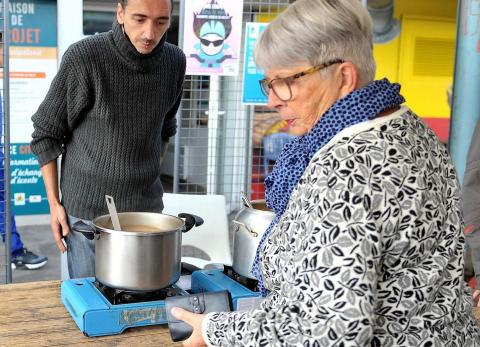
(138, 260)
(250, 225)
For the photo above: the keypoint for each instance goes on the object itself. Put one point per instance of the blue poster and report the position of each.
(33, 23)
(27, 186)
(33, 65)
(252, 94)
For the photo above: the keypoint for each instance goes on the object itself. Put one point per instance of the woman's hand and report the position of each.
(195, 320)
(476, 298)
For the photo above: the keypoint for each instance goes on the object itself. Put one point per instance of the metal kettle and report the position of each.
(250, 225)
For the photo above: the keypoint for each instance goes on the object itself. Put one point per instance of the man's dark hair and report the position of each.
(124, 3)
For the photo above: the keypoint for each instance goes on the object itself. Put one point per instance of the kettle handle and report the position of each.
(239, 224)
(191, 221)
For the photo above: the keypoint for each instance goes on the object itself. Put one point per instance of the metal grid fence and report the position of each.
(219, 149)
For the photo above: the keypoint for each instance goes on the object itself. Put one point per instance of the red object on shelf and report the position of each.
(258, 191)
(257, 185)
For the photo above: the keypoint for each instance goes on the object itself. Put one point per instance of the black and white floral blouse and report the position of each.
(369, 251)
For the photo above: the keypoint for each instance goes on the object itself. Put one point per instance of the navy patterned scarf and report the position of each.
(359, 106)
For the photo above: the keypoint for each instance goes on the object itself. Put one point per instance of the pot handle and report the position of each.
(85, 229)
(191, 221)
(239, 224)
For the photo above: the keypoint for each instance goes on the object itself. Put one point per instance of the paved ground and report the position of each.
(37, 238)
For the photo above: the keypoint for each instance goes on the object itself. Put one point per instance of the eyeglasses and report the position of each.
(282, 86)
(215, 43)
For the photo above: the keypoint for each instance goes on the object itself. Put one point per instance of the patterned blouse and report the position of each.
(369, 250)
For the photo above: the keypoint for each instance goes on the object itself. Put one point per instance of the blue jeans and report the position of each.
(17, 244)
(80, 252)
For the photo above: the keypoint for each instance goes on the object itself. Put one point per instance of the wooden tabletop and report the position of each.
(32, 314)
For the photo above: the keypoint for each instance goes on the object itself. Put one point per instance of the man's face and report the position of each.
(145, 22)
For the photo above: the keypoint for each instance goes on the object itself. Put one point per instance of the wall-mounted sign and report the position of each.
(252, 94)
(212, 36)
(33, 65)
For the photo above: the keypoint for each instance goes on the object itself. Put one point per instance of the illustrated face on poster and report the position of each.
(212, 36)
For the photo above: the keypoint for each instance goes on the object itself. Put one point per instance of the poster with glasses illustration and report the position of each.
(212, 36)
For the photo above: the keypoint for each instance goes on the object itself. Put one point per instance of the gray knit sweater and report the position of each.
(108, 111)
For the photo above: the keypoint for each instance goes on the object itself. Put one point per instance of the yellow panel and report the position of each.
(386, 57)
(266, 17)
(425, 84)
(268, 14)
(428, 8)
(433, 57)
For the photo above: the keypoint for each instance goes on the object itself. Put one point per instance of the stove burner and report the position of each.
(120, 296)
(245, 281)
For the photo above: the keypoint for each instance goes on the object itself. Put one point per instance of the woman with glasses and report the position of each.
(366, 246)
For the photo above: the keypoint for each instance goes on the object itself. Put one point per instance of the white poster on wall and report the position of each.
(212, 36)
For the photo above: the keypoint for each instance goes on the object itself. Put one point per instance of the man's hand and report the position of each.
(58, 216)
(195, 320)
(59, 225)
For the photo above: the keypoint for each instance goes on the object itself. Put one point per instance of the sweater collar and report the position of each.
(131, 55)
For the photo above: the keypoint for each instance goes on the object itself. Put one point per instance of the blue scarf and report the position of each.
(359, 106)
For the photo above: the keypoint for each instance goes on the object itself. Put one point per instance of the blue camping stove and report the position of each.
(99, 310)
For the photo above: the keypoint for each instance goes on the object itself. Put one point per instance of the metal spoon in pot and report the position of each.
(245, 200)
(113, 212)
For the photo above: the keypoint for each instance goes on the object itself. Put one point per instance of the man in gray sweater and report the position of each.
(109, 112)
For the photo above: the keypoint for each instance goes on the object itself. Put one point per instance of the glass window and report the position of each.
(95, 22)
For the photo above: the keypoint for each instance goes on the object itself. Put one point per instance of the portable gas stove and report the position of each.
(99, 310)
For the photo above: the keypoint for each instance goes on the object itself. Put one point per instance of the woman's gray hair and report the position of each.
(318, 31)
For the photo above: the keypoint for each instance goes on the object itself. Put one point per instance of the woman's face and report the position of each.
(312, 95)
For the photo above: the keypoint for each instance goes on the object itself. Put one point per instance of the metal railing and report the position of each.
(5, 97)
